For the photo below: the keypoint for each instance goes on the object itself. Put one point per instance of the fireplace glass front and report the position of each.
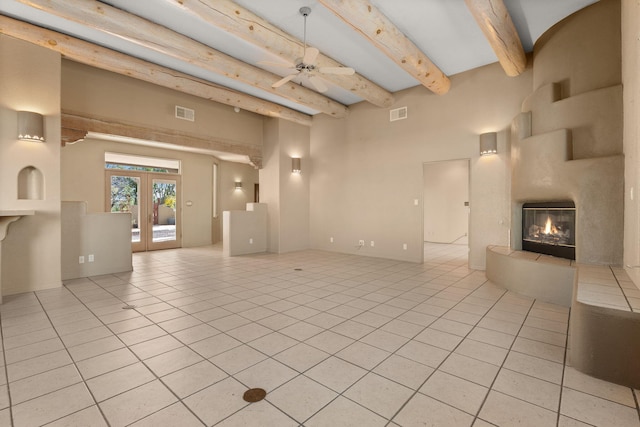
(549, 228)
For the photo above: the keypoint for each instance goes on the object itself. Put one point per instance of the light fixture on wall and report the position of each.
(238, 185)
(488, 143)
(295, 165)
(30, 126)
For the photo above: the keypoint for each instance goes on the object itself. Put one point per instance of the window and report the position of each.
(140, 163)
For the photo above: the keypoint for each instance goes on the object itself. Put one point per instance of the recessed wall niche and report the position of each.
(30, 184)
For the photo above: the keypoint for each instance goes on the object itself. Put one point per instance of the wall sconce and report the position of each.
(30, 126)
(488, 143)
(295, 165)
(238, 185)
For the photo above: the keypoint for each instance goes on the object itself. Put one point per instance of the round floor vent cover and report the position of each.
(254, 395)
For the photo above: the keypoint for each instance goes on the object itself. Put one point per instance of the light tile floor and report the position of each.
(336, 340)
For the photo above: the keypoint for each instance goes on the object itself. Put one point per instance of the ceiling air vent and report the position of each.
(185, 113)
(398, 114)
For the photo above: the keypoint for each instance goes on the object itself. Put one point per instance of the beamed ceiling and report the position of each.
(392, 44)
(230, 51)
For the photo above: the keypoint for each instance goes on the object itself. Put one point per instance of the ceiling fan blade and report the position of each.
(277, 64)
(318, 84)
(310, 55)
(346, 71)
(284, 80)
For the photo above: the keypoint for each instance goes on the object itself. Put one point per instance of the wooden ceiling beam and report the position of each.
(106, 59)
(75, 124)
(495, 22)
(148, 35)
(255, 30)
(366, 19)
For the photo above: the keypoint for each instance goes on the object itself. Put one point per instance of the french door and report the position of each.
(153, 200)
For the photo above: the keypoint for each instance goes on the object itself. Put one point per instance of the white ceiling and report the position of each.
(443, 29)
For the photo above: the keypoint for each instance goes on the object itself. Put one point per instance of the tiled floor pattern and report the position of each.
(336, 340)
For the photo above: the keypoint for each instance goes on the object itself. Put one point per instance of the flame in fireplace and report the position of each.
(548, 226)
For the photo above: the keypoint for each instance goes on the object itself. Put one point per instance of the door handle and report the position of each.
(150, 218)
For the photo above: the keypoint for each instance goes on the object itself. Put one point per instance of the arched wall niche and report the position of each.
(30, 184)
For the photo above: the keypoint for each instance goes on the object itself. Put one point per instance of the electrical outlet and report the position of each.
(251, 241)
(373, 243)
(81, 259)
(404, 246)
(330, 239)
(91, 258)
(361, 242)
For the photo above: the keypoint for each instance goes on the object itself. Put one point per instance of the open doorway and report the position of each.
(446, 211)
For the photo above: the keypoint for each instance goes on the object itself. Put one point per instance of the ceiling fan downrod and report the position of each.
(305, 11)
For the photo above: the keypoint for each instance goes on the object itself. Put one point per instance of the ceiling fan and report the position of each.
(306, 66)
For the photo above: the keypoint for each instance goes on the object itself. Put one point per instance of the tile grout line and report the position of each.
(6, 371)
(490, 388)
(204, 359)
(84, 382)
(450, 353)
(341, 394)
(564, 364)
(312, 286)
(139, 360)
(371, 371)
(635, 398)
(379, 288)
(624, 294)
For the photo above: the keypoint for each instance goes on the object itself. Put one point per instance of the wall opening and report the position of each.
(446, 210)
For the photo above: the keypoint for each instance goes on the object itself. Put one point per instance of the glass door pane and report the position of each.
(153, 201)
(164, 217)
(124, 197)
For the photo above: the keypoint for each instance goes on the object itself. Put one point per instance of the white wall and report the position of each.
(446, 189)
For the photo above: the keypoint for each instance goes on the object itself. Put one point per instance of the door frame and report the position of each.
(145, 206)
(169, 244)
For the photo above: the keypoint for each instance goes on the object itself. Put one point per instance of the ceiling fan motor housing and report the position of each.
(305, 11)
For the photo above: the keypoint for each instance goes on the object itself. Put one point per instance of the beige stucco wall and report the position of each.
(93, 92)
(572, 149)
(295, 188)
(30, 80)
(286, 195)
(106, 236)
(368, 171)
(83, 179)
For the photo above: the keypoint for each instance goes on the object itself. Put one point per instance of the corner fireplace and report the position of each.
(550, 228)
